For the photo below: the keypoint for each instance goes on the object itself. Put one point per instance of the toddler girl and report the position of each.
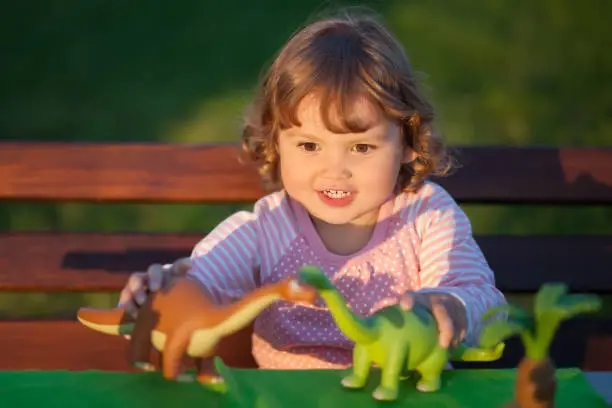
(344, 143)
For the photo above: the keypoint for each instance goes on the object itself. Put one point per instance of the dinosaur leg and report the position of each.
(173, 353)
(207, 375)
(431, 369)
(160, 364)
(361, 368)
(391, 370)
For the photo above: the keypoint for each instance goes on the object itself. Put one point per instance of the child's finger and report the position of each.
(406, 302)
(124, 297)
(134, 281)
(155, 277)
(445, 324)
(181, 267)
(140, 295)
(443, 319)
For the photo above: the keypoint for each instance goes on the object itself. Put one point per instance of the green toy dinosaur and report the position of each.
(395, 340)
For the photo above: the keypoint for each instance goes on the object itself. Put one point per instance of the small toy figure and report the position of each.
(181, 320)
(536, 383)
(396, 340)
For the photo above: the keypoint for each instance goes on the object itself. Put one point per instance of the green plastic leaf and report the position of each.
(513, 311)
(498, 331)
(555, 307)
(567, 307)
(547, 325)
(548, 296)
(575, 304)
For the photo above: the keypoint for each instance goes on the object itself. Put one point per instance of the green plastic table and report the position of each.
(271, 389)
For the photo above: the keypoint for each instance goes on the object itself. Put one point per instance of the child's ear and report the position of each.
(409, 155)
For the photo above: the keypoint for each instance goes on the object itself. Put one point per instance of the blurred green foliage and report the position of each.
(499, 72)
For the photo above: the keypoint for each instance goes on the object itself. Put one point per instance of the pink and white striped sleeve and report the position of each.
(452, 262)
(226, 261)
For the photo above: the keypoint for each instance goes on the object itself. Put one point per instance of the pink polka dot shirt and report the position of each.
(422, 242)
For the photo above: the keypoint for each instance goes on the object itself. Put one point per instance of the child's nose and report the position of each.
(336, 165)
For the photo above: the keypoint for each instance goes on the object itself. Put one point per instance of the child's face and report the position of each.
(341, 177)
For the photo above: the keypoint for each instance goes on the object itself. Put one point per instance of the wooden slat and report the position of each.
(135, 172)
(83, 261)
(102, 262)
(523, 263)
(125, 172)
(67, 345)
(539, 175)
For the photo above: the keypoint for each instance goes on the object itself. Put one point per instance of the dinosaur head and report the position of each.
(293, 290)
(314, 277)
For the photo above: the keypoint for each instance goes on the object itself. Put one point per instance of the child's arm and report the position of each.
(452, 263)
(226, 261)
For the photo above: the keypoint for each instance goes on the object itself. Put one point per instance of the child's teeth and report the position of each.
(336, 193)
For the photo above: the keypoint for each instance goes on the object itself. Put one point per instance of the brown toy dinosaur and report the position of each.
(181, 320)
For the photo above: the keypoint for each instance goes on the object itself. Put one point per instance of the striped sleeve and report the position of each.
(226, 260)
(451, 261)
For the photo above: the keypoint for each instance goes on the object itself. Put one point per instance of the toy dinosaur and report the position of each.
(396, 340)
(181, 319)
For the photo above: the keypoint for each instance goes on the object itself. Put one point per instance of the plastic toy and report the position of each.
(536, 384)
(397, 341)
(181, 320)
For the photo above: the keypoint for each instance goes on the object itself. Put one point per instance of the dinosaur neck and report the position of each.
(245, 310)
(348, 322)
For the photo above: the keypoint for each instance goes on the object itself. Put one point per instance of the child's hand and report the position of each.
(449, 312)
(157, 276)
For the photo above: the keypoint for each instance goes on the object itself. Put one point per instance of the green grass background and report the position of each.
(517, 72)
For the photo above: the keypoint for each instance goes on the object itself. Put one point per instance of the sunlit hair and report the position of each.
(340, 59)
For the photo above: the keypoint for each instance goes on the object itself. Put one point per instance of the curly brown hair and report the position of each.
(341, 58)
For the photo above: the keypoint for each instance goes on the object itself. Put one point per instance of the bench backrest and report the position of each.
(194, 173)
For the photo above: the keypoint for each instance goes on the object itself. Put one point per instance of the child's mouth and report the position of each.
(336, 198)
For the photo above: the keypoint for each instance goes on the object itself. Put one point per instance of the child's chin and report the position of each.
(341, 220)
(333, 215)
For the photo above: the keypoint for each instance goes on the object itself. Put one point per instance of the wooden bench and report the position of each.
(172, 173)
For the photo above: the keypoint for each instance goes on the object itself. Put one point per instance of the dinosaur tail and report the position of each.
(465, 353)
(109, 321)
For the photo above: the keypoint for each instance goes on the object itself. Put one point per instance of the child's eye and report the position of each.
(309, 146)
(363, 148)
